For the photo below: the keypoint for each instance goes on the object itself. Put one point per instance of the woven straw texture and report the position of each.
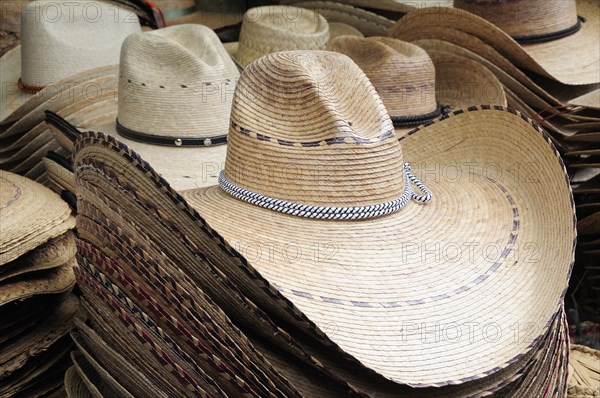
(176, 82)
(584, 372)
(325, 289)
(368, 23)
(52, 254)
(574, 59)
(270, 29)
(31, 214)
(412, 82)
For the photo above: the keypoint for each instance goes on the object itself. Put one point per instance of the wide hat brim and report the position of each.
(184, 167)
(574, 59)
(399, 292)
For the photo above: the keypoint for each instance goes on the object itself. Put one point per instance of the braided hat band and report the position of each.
(331, 212)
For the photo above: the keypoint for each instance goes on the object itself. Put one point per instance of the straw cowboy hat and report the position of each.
(270, 29)
(324, 168)
(417, 87)
(59, 40)
(556, 39)
(175, 90)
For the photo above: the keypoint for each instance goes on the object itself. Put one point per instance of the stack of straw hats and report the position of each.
(37, 255)
(321, 265)
(68, 56)
(547, 56)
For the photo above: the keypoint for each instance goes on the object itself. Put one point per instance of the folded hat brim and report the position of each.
(573, 60)
(385, 290)
(31, 214)
(590, 100)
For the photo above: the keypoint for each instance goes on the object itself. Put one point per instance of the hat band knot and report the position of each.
(331, 212)
(545, 37)
(170, 141)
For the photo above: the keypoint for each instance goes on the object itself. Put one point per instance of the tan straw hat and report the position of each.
(368, 23)
(59, 40)
(590, 100)
(321, 172)
(558, 39)
(175, 90)
(270, 29)
(31, 214)
(415, 86)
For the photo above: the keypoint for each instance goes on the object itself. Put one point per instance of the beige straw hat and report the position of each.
(59, 40)
(270, 29)
(31, 214)
(397, 6)
(558, 39)
(54, 253)
(415, 86)
(175, 91)
(368, 23)
(322, 173)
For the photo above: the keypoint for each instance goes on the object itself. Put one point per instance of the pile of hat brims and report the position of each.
(37, 308)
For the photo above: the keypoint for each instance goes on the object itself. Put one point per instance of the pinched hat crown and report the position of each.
(175, 86)
(527, 21)
(309, 128)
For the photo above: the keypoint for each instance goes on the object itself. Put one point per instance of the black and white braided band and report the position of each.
(330, 212)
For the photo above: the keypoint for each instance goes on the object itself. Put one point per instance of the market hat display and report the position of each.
(416, 87)
(58, 41)
(176, 120)
(37, 255)
(269, 29)
(556, 39)
(110, 177)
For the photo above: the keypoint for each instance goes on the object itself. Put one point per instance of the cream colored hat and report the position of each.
(60, 39)
(313, 164)
(558, 39)
(271, 29)
(175, 91)
(416, 86)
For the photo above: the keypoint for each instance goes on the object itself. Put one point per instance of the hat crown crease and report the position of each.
(526, 18)
(308, 127)
(402, 73)
(63, 39)
(175, 84)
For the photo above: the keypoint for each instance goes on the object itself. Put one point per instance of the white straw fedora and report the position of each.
(60, 39)
(269, 29)
(175, 91)
(313, 171)
(558, 39)
(417, 87)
